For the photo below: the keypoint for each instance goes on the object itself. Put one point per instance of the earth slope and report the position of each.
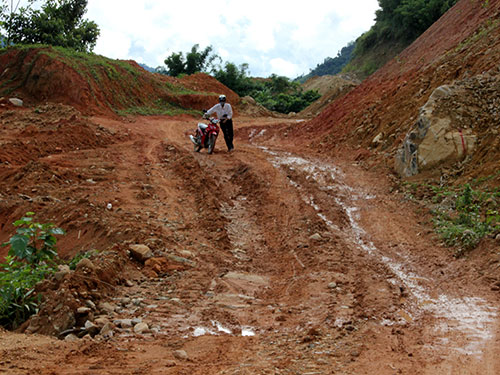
(94, 84)
(463, 45)
(273, 259)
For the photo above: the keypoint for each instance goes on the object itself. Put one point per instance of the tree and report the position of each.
(194, 62)
(282, 95)
(235, 78)
(57, 23)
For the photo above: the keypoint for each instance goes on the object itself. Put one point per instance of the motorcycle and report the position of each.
(206, 135)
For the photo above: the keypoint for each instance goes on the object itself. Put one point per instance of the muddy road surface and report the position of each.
(269, 260)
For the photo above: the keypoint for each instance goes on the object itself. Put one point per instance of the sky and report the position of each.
(284, 37)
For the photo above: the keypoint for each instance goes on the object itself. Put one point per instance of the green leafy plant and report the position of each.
(469, 222)
(33, 242)
(17, 290)
(32, 257)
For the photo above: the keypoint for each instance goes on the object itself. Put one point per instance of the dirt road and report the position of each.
(286, 264)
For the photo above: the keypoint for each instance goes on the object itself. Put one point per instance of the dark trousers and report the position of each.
(227, 129)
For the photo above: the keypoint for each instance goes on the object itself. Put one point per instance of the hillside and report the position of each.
(330, 87)
(331, 66)
(377, 116)
(95, 84)
(311, 248)
(397, 25)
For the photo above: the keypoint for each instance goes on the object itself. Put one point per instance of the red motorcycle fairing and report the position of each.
(206, 135)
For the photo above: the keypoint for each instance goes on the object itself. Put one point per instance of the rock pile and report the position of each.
(454, 122)
(72, 298)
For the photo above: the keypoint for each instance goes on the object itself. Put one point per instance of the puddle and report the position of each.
(218, 329)
(247, 332)
(470, 316)
(253, 134)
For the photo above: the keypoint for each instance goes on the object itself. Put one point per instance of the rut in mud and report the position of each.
(271, 262)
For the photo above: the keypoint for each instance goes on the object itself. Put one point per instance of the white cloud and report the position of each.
(284, 68)
(117, 45)
(280, 36)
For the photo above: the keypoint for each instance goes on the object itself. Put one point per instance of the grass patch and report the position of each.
(462, 215)
(158, 108)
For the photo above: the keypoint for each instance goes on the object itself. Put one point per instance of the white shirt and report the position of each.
(222, 110)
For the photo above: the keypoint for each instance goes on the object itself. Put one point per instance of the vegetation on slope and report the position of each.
(397, 24)
(276, 93)
(98, 84)
(331, 66)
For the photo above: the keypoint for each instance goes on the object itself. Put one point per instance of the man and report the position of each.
(225, 115)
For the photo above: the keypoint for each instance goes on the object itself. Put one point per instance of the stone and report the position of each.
(90, 304)
(378, 139)
(91, 328)
(85, 263)
(102, 321)
(83, 310)
(123, 323)
(141, 328)
(64, 321)
(137, 301)
(71, 338)
(140, 252)
(186, 254)
(181, 355)
(177, 259)
(106, 330)
(332, 285)
(497, 238)
(17, 102)
(136, 321)
(107, 307)
(129, 283)
(438, 137)
(315, 237)
(63, 270)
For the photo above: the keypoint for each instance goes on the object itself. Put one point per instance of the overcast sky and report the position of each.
(286, 37)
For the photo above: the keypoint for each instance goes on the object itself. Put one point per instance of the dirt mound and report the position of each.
(328, 83)
(72, 297)
(46, 130)
(330, 88)
(464, 43)
(249, 107)
(94, 84)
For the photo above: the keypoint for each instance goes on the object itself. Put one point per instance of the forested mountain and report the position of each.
(397, 24)
(331, 66)
(147, 67)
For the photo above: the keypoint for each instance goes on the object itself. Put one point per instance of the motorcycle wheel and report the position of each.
(197, 147)
(211, 143)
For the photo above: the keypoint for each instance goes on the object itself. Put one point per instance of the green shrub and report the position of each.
(34, 242)
(469, 222)
(17, 290)
(32, 257)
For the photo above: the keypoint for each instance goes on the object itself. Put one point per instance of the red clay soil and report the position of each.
(465, 42)
(100, 85)
(266, 260)
(281, 257)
